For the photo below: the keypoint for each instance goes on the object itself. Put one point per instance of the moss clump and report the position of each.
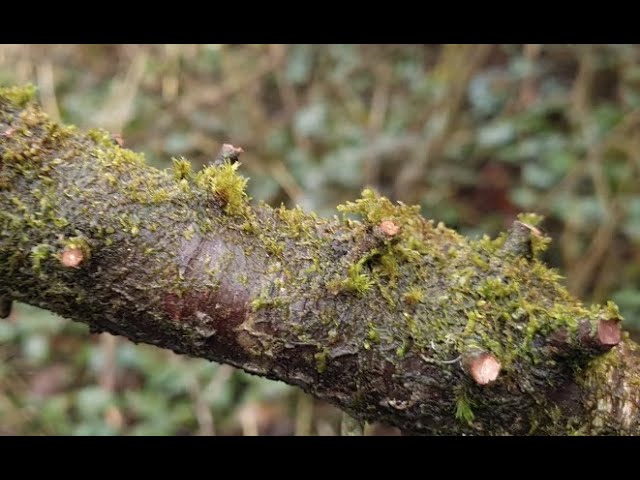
(40, 253)
(101, 137)
(357, 281)
(181, 168)
(226, 185)
(321, 361)
(20, 96)
(374, 208)
(464, 412)
(272, 246)
(264, 302)
(613, 311)
(413, 296)
(532, 219)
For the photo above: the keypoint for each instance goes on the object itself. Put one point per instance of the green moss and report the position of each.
(189, 232)
(181, 169)
(39, 254)
(321, 361)
(296, 222)
(413, 295)
(532, 219)
(357, 281)
(372, 333)
(613, 311)
(463, 410)
(273, 246)
(401, 351)
(389, 266)
(226, 185)
(101, 137)
(266, 302)
(374, 208)
(495, 288)
(539, 244)
(450, 293)
(20, 96)
(479, 261)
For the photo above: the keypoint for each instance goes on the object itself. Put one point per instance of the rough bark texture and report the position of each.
(390, 317)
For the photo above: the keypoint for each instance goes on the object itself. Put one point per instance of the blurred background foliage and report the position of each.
(472, 133)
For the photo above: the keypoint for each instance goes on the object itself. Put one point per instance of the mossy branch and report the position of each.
(391, 317)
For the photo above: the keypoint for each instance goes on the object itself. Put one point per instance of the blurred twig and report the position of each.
(304, 415)
(456, 67)
(46, 82)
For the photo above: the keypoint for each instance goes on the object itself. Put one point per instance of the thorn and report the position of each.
(483, 366)
(72, 258)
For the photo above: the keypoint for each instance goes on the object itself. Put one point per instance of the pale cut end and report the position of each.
(609, 334)
(72, 258)
(229, 149)
(484, 368)
(118, 139)
(229, 152)
(389, 228)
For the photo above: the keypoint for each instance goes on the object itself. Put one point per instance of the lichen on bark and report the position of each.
(388, 315)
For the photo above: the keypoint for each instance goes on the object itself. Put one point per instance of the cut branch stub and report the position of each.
(228, 152)
(518, 241)
(483, 367)
(591, 341)
(72, 257)
(604, 337)
(389, 228)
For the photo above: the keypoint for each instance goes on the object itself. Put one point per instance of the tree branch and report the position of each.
(390, 317)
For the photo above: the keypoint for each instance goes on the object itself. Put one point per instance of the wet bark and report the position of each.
(389, 317)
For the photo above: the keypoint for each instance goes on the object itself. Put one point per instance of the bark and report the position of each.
(388, 316)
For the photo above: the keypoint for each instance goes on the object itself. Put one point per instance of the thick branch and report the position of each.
(391, 318)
